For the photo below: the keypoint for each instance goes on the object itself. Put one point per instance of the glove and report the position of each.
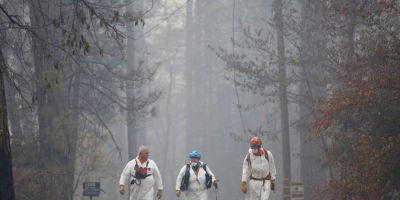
(178, 193)
(244, 187)
(121, 189)
(159, 194)
(272, 185)
(215, 184)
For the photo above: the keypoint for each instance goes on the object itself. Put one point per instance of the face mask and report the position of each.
(255, 151)
(195, 166)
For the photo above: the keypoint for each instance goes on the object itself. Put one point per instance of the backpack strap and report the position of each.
(208, 177)
(185, 179)
(137, 166)
(187, 171)
(249, 161)
(205, 168)
(187, 167)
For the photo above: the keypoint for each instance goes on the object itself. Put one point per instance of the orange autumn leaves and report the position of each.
(366, 90)
(363, 168)
(361, 118)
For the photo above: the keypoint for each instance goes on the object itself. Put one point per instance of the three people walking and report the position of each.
(195, 178)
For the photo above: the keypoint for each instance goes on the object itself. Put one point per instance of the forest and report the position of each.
(85, 83)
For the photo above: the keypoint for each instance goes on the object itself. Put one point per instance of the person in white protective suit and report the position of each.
(194, 179)
(144, 175)
(259, 168)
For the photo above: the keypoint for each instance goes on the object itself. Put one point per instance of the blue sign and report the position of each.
(91, 189)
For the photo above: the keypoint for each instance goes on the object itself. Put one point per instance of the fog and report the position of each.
(86, 83)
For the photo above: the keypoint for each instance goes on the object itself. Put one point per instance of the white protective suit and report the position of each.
(145, 190)
(197, 189)
(259, 167)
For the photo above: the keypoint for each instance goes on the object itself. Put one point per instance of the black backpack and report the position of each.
(208, 177)
(185, 178)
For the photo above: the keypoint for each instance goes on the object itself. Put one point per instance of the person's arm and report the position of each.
(210, 173)
(214, 179)
(157, 177)
(179, 178)
(246, 168)
(272, 168)
(124, 177)
(245, 173)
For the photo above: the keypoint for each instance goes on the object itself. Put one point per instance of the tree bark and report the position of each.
(6, 175)
(189, 72)
(278, 18)
(130, 94)
(13, 111)
(71, 157)
(350, 30)
(313, 173)
(134, 90)
(56, 143)
(167, 159)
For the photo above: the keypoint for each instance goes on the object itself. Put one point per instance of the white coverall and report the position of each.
(259, 167)
(197, 189)
(145, 190)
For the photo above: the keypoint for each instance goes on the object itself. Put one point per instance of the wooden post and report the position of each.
(286, 189)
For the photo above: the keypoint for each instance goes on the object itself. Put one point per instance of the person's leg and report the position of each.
(255, 188)
(266, 190)
(203, 195)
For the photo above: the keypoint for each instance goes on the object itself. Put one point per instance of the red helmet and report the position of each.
(255, 141)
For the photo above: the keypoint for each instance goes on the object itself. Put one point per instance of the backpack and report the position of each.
(208, 177)
(185, 178)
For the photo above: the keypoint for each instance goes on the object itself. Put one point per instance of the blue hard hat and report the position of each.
(195, 154)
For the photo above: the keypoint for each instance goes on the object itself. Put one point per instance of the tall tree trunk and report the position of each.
(72, 113)
(189, 72)
(169, 149)
(130, 94)
(135, 61)
(13, 111)
(167, 159)
(6, 175)
(278, 18)
(55, 138)
(12, 101)
(311, 149)
(75, 107)
(350, 30)
(199, 83)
